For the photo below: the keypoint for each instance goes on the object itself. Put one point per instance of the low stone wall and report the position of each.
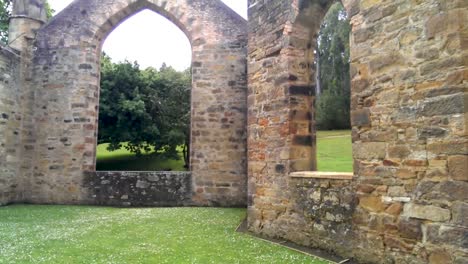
(10, 125)
(120, 188)
(319, 214)
(327, 205)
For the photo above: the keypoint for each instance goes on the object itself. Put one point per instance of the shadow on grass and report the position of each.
(123, 160)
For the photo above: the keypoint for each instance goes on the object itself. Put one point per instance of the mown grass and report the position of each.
(61, 234)
(124, 160)
(80, 234)
(334, 151)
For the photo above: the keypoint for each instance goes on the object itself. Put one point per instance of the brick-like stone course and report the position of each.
(10, 126)
(116, 188)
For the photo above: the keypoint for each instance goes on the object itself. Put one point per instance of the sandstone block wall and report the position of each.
(10, 126)
(407, 202)
(118, 188)
(410, 131)
(219, 133)
(66, 92)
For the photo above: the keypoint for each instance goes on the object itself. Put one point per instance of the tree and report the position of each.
(333, 102)
(174, 92)
(148, 110)
(5, 14)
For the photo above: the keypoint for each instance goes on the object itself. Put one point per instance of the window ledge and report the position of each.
(322, 175)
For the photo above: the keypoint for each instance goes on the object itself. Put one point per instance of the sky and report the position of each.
(166, 43)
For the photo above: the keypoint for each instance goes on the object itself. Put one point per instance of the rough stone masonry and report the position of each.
(10, 125)
(64, 84)
(407, 199)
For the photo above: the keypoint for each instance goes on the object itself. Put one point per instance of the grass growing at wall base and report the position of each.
(79, 234)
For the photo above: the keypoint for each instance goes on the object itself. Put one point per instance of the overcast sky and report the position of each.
(166, 43)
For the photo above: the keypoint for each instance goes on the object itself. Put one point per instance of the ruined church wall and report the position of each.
(10, 126)
(408, 196)
(66, 67)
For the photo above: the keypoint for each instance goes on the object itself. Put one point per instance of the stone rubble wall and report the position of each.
(322, 210)
(410, 131)
(10, 126)
(116, 188)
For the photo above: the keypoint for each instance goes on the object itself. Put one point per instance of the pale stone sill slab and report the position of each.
(322, 175)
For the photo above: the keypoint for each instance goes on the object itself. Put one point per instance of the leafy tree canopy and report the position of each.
(5, 13)
(148, 109)
(333, 103)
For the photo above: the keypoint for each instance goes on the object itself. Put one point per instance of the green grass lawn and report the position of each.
(123, 160)
(80, 234)
(334, 151)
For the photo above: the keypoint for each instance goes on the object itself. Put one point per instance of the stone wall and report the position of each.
(323, 210)
(410, 131)
(139, 188)
(407, 201)
(66, 84)
(10, 126)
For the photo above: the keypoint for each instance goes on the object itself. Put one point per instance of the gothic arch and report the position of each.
(66, 77)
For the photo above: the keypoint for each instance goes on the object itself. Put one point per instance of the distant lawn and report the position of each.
(80, 234)
(124, 160)
(334, 151)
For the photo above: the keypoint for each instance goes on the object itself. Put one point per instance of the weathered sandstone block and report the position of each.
(427, 212)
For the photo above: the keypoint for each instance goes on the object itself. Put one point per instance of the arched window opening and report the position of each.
(144, 104)
(333, 93)
(319, 91)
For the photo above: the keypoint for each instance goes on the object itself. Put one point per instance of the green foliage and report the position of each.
(5, 13)
(148, 109)
(49, 11)
(333, 104)
(333, 110)
(81, 234)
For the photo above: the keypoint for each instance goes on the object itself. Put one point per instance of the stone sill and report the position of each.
(322, 175)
